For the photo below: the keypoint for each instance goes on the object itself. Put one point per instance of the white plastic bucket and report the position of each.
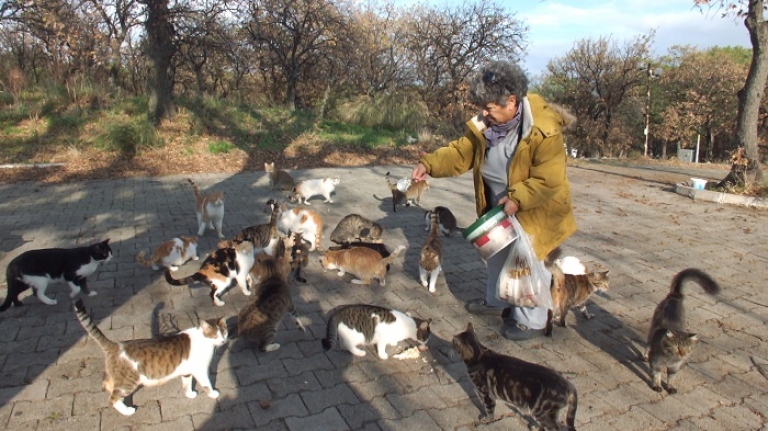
(490, 233)
(698, 183)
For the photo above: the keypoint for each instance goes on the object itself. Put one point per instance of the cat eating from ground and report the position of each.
(365, 325)
(220, 269)
(431, 255)
(38, 268)
(411, 195)
(669, 342)
(134, 363)
(301, 221)
(356, 228)
(528, 387)
(278, 178)
(263, 236)
(363, 262)
(171, 254)
(209, 209)
(446, 218)
(308, 188)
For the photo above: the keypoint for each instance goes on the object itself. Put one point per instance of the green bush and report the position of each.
(130, 137)
(220, 147)
(393, 111)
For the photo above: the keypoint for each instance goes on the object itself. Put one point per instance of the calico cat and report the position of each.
(171, 254)
(209, 210)
(446, 218)
(220, 269)
(356, 228)
(37, 268)
(573, 290)
(278, 178)
(308, 188)
(528, 387)
(431, 255)
(263, 236)
(363, 262)
(669, 343)
(257, 322)
(411, 195)
(301, 221)
(134, 363)
(361, 324)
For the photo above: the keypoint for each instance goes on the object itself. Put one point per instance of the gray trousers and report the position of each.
(534, 318)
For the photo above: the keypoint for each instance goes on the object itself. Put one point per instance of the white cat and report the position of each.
(301, 221)
(365, 325)
(171, 254)
(306, 189)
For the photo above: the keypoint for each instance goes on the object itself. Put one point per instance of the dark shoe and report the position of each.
(518, 332)
(479, 306)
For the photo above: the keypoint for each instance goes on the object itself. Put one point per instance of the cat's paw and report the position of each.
(485, 418)
(196, 258)
(306, 203)
(358, 352)
(173, 268)
(190, 394)
(671, 390)
(657, 388)
(271, 347)
(432, 289)
(221, 236)
(123, 409)
(424, 283)
(218, 301)
(213, 393)
(92, 293)
(383, 356)
(589, 316)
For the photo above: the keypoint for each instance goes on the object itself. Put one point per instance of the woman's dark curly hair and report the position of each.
(496, 81)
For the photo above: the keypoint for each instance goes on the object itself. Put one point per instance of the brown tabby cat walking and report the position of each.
(669, 343)
(573, 290)
(431, 255)
(411, 195)
(278, 178)
(134, 363)
(528, 387)
(209, 209)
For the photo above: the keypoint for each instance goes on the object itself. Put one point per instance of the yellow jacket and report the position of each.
(537, 180)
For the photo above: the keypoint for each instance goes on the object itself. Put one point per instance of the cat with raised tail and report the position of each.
(308, 188)
(209, 209)
(134, 363)
(669, 342)
(446, 218)
(278, 178)
(363, 262)
(365, 325)
(431, 255)
(571, 287)
(171, 254)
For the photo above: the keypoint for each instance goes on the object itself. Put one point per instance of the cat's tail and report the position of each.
(570, 416)
(91, 328)
(394, 254)
(143, 261)
(15, 286)
(331, 331)
(181, 281)
(195, 188)
(703, 279)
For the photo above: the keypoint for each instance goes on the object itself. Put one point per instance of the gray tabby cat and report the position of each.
(431, 255)
(446, 217)
(669, 343)
(529, 387)
(134, 363)
(356, 228)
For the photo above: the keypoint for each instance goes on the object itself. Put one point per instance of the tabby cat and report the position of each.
(263, 236)
(299, 259)
(134, 363)
(669, 343)
(411, 195)
(446, 218)
(431, 255)
(37, 268)
(308, 188)
(209, 210)
(573, 290)
(301, 221)
(528, 387)
(260, 269)
(278, 178)
(356, 228)
(220, 269)
(257, 322)
(171, 254)
(365, 325)
(363, 262)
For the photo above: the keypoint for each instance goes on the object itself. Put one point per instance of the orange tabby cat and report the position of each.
(209, 209)
(171, 254)
(363, 262)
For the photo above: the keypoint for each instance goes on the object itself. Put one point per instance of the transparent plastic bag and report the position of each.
(523, 281)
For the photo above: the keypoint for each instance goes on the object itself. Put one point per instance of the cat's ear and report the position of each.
(424, 325)
(470, 328)
(205, 326)
(105, 242)
(693, 337)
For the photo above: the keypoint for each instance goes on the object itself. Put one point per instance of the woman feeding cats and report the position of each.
(514, 148)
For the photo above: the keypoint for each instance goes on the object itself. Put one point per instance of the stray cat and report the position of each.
(301, 221)
(220, 269)
(299, 259)
(528, 387)
(365, 325)
(573, 290)
(411, 195)
(669, 343)
(259, 269)
(356, 228)
(152, 362)
(172, 253)
(363, 262)
(446, 218)
(308, 188)
(257, 322)
(263, 236)
(278, 178)
(431, 255)
(37, 268)
(378, 247)
(209, 209)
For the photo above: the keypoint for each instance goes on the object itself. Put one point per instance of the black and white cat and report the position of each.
(37, 268)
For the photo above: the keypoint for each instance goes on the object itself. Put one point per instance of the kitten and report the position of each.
(263, 236)
(669, 343)
(431, 255)
(308, 188)
(411, 195)
(528, 387)
(209, 210)
(257, 322)
(302, 221)
(356, 228)
(356, 325)
(220, 269)
(446, 218)
(363, 262)
(171, 254)
(278, 178)
(134, 363)
(37, 268)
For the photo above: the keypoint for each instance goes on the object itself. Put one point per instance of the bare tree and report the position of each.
(161, 50)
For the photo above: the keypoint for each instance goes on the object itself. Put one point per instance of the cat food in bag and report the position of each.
(523, 281)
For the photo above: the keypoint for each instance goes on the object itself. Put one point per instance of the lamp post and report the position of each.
(652, 73)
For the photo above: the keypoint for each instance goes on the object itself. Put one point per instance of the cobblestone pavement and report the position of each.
(629, 220)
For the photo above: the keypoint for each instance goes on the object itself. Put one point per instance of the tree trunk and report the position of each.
(161, 51)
